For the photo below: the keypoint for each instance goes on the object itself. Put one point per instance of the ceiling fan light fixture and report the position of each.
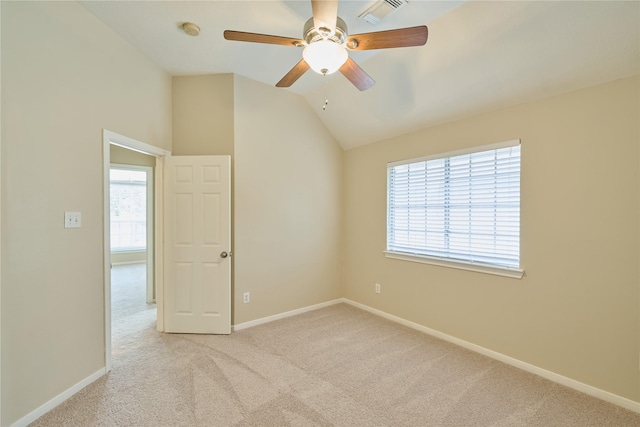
(325, 56)
(326, 51)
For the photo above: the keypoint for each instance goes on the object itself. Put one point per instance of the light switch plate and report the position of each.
(72, 219)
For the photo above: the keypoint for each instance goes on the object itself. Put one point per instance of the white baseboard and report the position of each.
(46, 407)
(552, 376)
(279, 316)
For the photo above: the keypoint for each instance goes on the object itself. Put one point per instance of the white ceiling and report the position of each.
(480, 56)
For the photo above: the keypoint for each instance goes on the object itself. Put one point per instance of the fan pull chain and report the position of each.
(326, 100)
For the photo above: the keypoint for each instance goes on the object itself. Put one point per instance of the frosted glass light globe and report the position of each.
(325, 56)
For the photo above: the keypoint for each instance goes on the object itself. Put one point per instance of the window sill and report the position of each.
(128, 251)
(496, 271)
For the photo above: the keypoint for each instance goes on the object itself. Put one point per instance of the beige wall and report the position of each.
(123, 156)
(286, 188)
(203, 125)
(63, 81)
(202, 115)
(575, 312)
(288, 179)
(128, 257)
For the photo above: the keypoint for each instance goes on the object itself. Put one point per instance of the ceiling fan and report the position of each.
(326, 42)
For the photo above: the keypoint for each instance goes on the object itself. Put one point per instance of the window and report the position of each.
(460, 207)
(128, 193)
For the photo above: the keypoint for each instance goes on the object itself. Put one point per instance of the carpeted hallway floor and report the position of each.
(337, 366)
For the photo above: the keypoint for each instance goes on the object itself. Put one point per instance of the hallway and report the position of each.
(130, 313)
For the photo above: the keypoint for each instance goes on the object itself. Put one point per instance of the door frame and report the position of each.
(109, 138)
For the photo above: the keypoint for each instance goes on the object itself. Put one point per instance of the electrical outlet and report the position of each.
(377, 288)
(246, 297)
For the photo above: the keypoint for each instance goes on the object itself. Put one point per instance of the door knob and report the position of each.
(224, 254)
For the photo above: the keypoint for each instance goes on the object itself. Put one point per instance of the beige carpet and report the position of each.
(338, 366)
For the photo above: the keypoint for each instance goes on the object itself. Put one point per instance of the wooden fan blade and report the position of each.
(294, 74)
(262, 38)
(402, 37)
(325, 14)
(356, 75)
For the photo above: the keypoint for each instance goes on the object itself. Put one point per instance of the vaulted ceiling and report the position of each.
(480, 56)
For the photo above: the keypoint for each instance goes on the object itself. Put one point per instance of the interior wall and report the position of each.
(203, 115)
(124, 156)
(202, 111)
(285, 232)
(64, 80)
(132, 257)
(288, 189)
(576, 311)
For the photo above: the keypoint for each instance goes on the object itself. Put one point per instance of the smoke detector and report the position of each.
(191, 29)
(380, 9)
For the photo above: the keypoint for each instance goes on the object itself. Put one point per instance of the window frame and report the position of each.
(499, 270)
(148, 170)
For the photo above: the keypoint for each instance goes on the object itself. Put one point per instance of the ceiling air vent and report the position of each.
(380, 9)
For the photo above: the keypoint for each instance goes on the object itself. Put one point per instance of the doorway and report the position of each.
(130, 312)
(132, 212)
(111, 139)
(133, 307)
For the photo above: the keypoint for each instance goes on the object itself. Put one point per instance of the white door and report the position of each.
(197, 244)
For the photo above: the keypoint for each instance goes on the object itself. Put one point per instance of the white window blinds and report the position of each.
(462, 206)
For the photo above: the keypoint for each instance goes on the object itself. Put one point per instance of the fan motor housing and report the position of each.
(312, 34)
